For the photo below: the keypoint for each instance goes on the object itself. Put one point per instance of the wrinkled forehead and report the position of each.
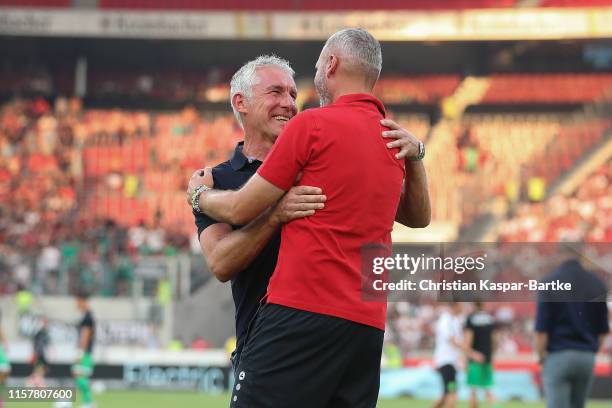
(273, 77)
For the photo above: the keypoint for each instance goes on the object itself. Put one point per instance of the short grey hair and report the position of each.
(245, 78)
(359, 45)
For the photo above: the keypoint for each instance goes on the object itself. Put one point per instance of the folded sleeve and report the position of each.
(292, 150)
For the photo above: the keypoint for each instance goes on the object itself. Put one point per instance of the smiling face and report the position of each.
(272, 103)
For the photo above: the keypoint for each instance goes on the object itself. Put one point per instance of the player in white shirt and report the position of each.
(448, 352)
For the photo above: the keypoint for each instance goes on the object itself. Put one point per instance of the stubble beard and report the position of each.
(323, 92)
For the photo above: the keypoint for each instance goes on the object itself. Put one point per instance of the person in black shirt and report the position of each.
(479, 344)
(263, 99)
(570, 328)
(39, 357)
(83, 369)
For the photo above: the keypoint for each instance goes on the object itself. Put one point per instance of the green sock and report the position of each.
(83, 385)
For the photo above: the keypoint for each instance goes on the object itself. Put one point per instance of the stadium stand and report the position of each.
(490, 157)
(202, 86)
(213, 86)
(587, 214)
(99, 170)
(424, 89)
(35, 79)
(206, 86)
(128, 167)
(548, 88)
(129, 155)
(548, 143)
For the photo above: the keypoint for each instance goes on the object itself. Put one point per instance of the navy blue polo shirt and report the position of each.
(574, 325)
(250, 285)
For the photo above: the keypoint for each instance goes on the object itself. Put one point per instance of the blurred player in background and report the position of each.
(83, 369)
(569, 333)
(5, 365)
(479, 344)
(39, 357)
(316, 342)
(448, 352)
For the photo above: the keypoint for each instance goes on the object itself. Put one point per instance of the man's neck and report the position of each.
(256, 147)
(349, 89)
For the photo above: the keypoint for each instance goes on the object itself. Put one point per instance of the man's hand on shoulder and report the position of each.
(199, 177)
(406, 141)
(299, 202)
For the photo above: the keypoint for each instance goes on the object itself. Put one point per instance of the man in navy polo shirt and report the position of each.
(316, 343)
(570, 328)
(263, 96)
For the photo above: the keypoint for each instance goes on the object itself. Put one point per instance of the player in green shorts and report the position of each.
(5, 365)
(84, 367)
(480, 375)
(479, 339)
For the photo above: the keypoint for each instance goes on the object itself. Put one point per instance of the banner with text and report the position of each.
(466, 25)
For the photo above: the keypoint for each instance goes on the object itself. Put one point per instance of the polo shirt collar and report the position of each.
(239, 160)
(362, 97)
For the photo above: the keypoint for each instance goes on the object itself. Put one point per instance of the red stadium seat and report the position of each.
(547, 88)
(425, 89)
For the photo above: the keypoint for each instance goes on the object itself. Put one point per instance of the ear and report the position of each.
(332, 65)
(239, 102)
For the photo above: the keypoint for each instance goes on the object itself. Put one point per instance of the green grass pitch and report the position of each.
(160, 399)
